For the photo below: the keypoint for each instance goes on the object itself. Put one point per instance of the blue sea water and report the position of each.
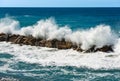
(39, 64)
(74, 17)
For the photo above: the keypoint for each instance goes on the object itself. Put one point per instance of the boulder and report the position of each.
(105, 49)
(92, 49)
(19, 40)
(2, 37)
(60, 44)
(28, 41)
(74, 46)
(79, 49)
(48, 44)
(64, 45)
(42, 43)
(54, 43)
(13, 37)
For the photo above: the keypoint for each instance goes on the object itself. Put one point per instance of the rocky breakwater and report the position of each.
(60, 44)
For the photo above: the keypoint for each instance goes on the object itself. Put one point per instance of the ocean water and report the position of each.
(86, 26)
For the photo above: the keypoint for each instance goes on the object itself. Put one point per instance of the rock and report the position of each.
(54, 43)
(1, 34)
(69, 45)
(105, 49)
(64, 45)
(79, 49)
(60, 44)
(2, 37)
(19, 40)
(74, 47)
(28, 41)
(92, 49)
(42, 43)
(36, 41)
(13, 37)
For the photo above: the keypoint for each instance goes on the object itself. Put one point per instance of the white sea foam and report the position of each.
(8, 25)
(48, 29)
(117, 46)
(99, 36)
(53, 57)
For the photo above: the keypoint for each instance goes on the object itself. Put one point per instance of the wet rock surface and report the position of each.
(60, 44)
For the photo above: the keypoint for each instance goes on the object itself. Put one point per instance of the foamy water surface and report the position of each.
(51, 56)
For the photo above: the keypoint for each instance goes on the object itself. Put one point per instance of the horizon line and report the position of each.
(59, 7)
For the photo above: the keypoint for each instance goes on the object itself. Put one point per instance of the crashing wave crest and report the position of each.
(48, 29)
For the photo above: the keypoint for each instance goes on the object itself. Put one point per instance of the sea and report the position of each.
(88, 26)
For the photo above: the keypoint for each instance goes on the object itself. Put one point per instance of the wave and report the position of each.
(48, 29)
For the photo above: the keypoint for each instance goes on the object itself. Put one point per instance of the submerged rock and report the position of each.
(60, 44)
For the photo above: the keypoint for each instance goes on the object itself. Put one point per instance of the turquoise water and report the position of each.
(34, 72)
(26, 63)
(23, 71)
(74, 17)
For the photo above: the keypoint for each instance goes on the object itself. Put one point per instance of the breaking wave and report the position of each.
(48, 29)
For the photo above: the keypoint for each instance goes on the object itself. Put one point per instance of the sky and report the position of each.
(59, 3)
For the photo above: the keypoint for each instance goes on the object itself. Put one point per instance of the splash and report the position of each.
(48, 29)
(117, 46)
(9, 25)
(100, 35)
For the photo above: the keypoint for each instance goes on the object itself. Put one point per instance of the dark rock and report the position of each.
(28, 41)
(105, 49)
(48, 44)
(19, 40)
(2, 37)
(42, 43)
(92, 49)
(54, 43)
(79, 49)
(74, 47)
(69, 45)
(13, 37)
